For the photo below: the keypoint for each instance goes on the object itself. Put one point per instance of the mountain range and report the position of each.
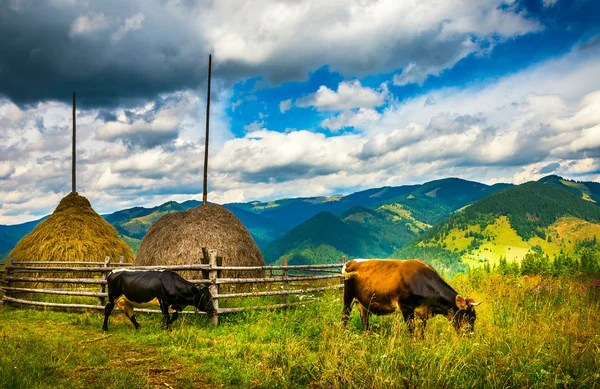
(451, 221)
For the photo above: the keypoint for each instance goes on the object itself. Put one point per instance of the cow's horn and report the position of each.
(475, 304)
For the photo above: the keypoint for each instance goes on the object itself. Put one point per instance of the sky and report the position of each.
(308, 97)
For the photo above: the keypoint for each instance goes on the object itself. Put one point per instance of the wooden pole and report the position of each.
(286, 287)
(73, 182)
(204, 195)
(104, 277)
(7, 282)
(214, 287)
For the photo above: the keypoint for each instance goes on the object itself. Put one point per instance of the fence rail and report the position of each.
(293, 280)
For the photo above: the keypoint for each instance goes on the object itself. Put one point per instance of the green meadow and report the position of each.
(531, 332)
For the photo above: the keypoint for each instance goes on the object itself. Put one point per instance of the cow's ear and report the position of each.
(461, 302)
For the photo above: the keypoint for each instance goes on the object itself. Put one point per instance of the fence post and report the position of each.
(214, 287)
(343, 264)
(121, 259)
(204, 261)
(269, 284)
(7, 282)
(104, 277)
(284, 276)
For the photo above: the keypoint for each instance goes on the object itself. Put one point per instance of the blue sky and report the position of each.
(566, 24)
(309, 97)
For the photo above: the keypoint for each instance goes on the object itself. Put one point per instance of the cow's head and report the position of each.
(203, 299)
(464, 315)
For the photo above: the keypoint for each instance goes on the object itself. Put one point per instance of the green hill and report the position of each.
(262, 229)
(531, 217)
(323, 238)
(10, 235)
(418, 206)
(589, 191)
(357, 232)
(430, 202)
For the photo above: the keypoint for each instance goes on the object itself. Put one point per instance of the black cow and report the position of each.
(412, 287)
(143, 288)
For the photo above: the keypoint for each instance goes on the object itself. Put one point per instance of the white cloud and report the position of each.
(285, 105)
(354, 118)
(350, 94)
(508, 130)
(131, 24)
(549, 3)
(292, 38)
(254, 126)
(6, 170)
(89, 24)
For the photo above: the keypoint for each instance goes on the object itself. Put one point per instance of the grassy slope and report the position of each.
(513, 222)
(505, 242)
(589, 191)
(529, 333)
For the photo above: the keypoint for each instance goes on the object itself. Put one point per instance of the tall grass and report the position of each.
(530, 332)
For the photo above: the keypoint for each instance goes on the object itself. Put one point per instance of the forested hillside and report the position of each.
(533, 217)
(266, 221)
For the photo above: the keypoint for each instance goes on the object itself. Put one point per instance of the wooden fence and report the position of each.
(290, 280)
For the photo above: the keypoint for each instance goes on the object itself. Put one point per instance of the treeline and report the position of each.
(530, 207)
(585, 260)
(444, 261)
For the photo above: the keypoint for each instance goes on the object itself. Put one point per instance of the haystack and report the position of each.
(74, 232)
(178, 239)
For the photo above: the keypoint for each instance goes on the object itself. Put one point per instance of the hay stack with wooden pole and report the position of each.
(74, 232)
(179, 238)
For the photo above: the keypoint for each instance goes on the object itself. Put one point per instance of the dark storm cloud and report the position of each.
(41, 59)
(289, 172)
(118, 53)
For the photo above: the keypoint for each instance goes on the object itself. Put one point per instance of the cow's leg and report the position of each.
(128, 311)
(422, 332)
(421, 315)
(364, 316)
(409, 318)
(348, 298)
(135, 323)
(164, 307)
(107, 311)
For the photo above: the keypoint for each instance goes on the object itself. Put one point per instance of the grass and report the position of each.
(585, 191)
(505, 242)
(530, 332)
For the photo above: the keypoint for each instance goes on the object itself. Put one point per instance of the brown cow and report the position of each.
(412, 287)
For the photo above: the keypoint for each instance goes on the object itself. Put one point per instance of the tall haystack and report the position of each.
(74, 232)
(178, 238)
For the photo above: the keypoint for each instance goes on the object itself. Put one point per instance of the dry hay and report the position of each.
(178, 238)
(74, 232)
